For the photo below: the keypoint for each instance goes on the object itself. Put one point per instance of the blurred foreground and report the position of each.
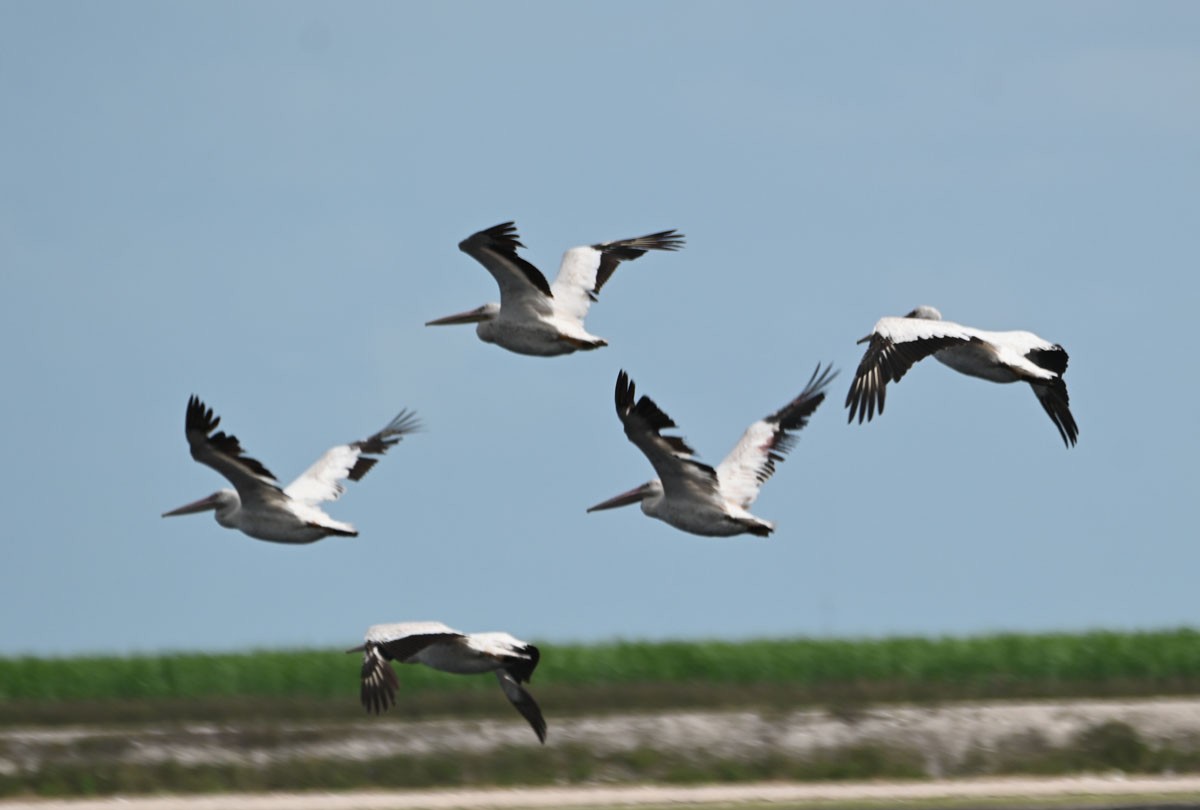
(883, 742)
(624, 713)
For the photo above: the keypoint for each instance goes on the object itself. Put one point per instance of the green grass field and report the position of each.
(619, 676)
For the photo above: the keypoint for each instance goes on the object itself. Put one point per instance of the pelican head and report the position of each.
(487, 312)
(925, 313)
(650, 489)
(224, 501)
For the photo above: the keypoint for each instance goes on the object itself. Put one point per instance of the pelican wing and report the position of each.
(394, 642)
(895, 344)
(752, 462)
(255, 484)
(584, 270)
(323, 480)
(1053, 396)
(519, 658)
(379, 683)
(671, 457)
(523, 288)
(403, 640)
(523, 702)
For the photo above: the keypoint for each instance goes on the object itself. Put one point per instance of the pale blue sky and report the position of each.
(260, 203)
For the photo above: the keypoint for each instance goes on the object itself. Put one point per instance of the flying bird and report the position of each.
(533, 316)
(257, 505)
(693, 496)
(444, 648)
(895, 344)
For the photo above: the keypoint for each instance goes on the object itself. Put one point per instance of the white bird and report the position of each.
(257, 505)
(534, 317)
(444, 648)
(693, 496)
(1003, 357)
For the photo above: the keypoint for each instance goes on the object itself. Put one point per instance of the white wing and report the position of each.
(681, 474)
(584, 270)
(255, 484)
(323, 480)
(383, 633)
(524, 292)
(752, 462)
(497, 643)
(895, 345)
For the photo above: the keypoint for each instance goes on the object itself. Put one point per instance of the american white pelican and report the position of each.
(693, 496)
(1003, 357)
(444, 648)
(259, 507)
(534, 317)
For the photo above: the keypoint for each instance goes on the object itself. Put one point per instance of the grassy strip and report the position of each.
(1104, 747)
(617, 676)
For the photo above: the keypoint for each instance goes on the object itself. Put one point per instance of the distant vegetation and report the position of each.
(579, 679)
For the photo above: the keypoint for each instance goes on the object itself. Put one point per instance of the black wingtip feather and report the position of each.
(796, 413)
(647, 411)
(1056, 402)
(503, 234)
(644, 408)
(522, 668)
(379, 682)
(406, 422)
(626, 250)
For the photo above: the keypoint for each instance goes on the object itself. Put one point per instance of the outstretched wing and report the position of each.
(523, 288)
(671, 457)
(752, 462)
(584, 270)
(399, 641)
(379, 682)
(524, 703)
(323, 480)
(254, 482)
(895, 344)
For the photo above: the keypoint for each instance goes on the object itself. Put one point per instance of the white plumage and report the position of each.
(443, 648)
(257, 505)
(533, 316)
(895, 344)
(693, 496)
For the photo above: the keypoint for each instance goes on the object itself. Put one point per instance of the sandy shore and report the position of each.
(1180, 791)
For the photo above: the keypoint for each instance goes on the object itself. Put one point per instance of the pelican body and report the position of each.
(443, 648)
(257, 505)
(693, 496)
(895, 344)
(535, 317)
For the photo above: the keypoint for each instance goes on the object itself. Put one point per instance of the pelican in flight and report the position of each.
(1004, 357)
(257, 505)
(693, 496)
(533, 316)
(444, 648)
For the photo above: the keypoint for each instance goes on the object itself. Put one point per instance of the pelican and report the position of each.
(895, 344)
(257, 505)
(534, 317)
(444, 648)
(693, 496)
